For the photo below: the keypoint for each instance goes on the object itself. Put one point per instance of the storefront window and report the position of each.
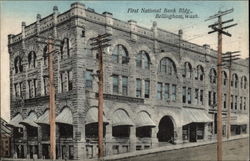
(200, 131)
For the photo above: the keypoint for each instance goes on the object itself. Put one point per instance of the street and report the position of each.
(236, 150)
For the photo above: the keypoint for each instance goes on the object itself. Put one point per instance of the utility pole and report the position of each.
(52, 106)
(217, 27)
(51, 102)
(99, 43)
(229, 57)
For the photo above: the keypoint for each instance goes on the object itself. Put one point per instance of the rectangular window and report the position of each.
(159, 90)
(209, 98)
(241, 103)
(138, 88)
(29, 89)
(166, 92)
(62, 82)
(88, 78)
(196, 97)
(201, 97)
(124, 86)
(147, 88)
(35, 87)
(214, 98)
(70, 80)
(173, 92)
(232, 97)
(225, 101)
(235, 103)
(45, 85)
(244, 106)
(184, 94)
(115, 84)
(16, 89)
(189, 99)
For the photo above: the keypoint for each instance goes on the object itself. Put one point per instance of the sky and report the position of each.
(194, 29)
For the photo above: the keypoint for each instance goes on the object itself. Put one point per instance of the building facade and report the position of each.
(158, 88)
(5, 139)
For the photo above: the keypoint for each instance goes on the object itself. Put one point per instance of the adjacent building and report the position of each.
(158, 88)
(5, 139)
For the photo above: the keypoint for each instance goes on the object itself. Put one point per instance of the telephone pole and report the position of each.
(52, 106)
(229, 57)
(99, 43)
(218, 27)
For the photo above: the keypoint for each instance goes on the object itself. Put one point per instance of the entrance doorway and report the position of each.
(166, 130)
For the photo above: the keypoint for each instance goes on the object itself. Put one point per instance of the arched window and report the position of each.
(32, 59)
(18, 64)
(235, 80)
(199, 73)
(120, 53)
(187, 70)
(243, 83)
(167, 66)
(143, 60)
(212, 75)
(224, 78)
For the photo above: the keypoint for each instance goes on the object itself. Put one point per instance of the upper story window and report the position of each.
(212, 75)
(88, 78)
(138, 88)
(32, 59)
(184, 94)
(18, 64)
(189, 96)
(187, 70)
(120, 55)
(173, 92)
(70, 79)
(45, 55)
(199, 73)
(243, 82)
(18, 89)
(234, 82)
(45, 85)
(224, 78)
(124, 85)
(32, 88)
(147, 89)
(143, 60)
(65, 48)
(115, 80)
(167, 66)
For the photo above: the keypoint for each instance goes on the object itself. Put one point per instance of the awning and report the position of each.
(120, 118)
(30, 120)
(143, 119)
(15, 121)
(241, 120)
(65, 117)
(92, 116)
(44, 119)
(194, 115)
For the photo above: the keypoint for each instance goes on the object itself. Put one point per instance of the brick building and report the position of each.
(159, 88)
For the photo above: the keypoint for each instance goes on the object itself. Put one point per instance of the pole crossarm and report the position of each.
(231, 20)
(219, 14)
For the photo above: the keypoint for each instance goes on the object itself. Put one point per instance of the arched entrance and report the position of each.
(166, 130)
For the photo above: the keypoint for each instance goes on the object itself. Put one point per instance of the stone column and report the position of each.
(109, 138)
(154, 139)
(132, 139)
(39, 142)
(25, 147)
(178, 132)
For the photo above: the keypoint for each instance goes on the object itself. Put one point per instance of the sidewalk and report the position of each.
(148, 151)
(168, 148)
